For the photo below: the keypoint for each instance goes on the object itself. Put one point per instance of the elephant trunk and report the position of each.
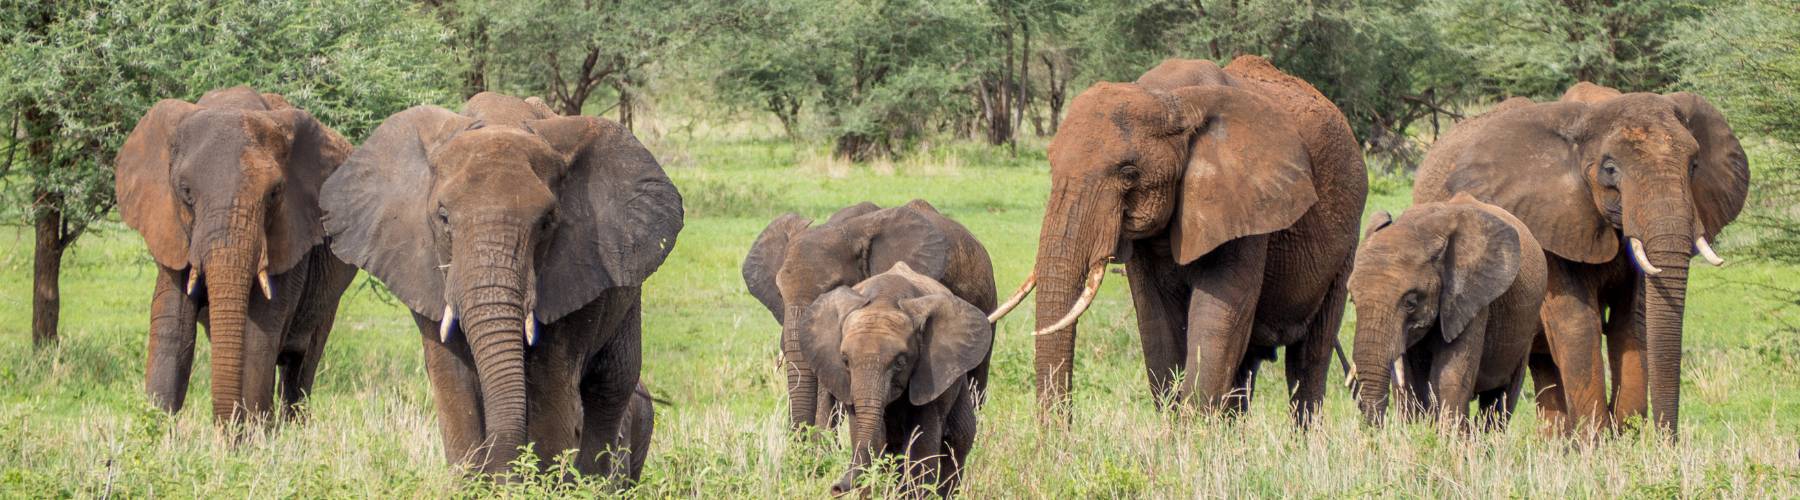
(1378, 336)
(1665, 298)
(803, 385)
(868, 437)
(1081, 229)
(230, 265)
(493, 305)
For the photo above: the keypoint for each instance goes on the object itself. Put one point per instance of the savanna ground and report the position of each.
(74, 421)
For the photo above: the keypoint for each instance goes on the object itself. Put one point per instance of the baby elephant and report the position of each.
(1447, 305)
(901, 349)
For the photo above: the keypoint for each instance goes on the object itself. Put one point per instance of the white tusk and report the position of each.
(1637, 252)
(531, 328)
(1707, 252)
(1017, 298)
(447, 324)
(1400, 373)
(193, 280)
(1350, 380)
(268, 289)
(1088, 291)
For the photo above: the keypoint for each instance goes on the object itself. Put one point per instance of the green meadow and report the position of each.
(74, 421)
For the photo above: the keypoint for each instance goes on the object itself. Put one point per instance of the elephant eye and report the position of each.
(187, 195)
(1129, 172)
(1693, 166)
(1609, 167)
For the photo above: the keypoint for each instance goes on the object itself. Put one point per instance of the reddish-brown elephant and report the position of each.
(1621, 190)
(1233, 196)
(225, 192)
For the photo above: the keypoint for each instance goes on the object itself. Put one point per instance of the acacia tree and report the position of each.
(76, 75)
(573, 52)
(1539, 48)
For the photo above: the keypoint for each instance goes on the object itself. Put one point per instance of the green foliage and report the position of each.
(1745, 58)
(1538, 48)
(78, 74)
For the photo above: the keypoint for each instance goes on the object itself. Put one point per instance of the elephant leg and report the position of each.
(1546, 380)
(553, 390)
(171, 349)
(959, 438)
(612, 376)
(1497, 404)
(265, 332)
(1416, 398)
(1571, 315)
(312, 326)
(1309, 362)
(1221, 311)
(1161, 300)
(925, 449)
(1625, 353)
(455, 390)
(826, 413)
(1243, 383)
(1453, 369)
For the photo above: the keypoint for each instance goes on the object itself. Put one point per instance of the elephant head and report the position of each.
(1432, 272)
(899, 334)
(497, 221)
(1206, 164)
(227, 189)
(1603, 174)
(791, 265)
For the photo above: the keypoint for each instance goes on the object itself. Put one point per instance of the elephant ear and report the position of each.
(1481, 261)
(958, 338)
(377, 211)
(765, 259)
(1247, 172)
(822, 332)
(1722, 177)
(619, 214)
(314, 152)
(851, 212)
(1525, 161)
(142, 186)
(1378, 220)
(900, 234)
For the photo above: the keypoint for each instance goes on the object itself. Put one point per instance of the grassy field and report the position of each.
(74, 422)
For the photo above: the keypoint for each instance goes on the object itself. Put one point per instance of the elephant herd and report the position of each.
(519, 240)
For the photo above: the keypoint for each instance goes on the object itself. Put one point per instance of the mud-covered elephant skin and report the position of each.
(225, 192)
(519, 240)
(902, 350)
(1621, 190)
(1447, 300)
(792, 263)
(1233, 196)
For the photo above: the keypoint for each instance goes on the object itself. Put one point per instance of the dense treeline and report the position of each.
(870, 78)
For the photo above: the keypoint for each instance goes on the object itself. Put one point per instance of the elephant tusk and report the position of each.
(531, 328)
(193, 280)
(1637, 253)
(448, 324)
(1707, 252)
(1018, 297)
(262, 276)
(1400, 372)
(1088, 291)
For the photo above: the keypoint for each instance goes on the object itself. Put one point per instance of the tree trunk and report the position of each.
(625, 111)
(46, 287)
(1024, 82)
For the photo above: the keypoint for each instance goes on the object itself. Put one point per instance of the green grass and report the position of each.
(73, 421)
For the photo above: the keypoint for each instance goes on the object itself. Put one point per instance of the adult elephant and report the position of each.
(1621, 190)
(1233, 196)
(519, 239)
(225, 193)
(793, 263)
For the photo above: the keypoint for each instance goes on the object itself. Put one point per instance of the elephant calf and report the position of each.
(793, 263)
(1447, 299)
(903, 350)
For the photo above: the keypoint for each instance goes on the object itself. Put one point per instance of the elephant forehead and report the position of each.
(878, 317)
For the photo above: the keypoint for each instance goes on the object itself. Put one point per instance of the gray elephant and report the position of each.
(1622, 190)
(903, 350)
(520, 240)
(792, 263)
(225, 192)
(1447, 299)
